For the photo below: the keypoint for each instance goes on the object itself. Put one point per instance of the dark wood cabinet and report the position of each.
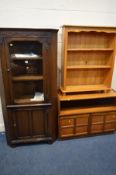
(29, 84)
(32, 123)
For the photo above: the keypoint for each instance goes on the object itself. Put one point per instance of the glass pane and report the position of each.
(26, 64)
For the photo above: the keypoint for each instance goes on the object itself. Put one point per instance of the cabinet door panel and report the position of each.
(30, 122)
(39, 123)
(81, 130)
(98, 118)
(97, 128)
(103, 122)
(82, 119)
(21, 124)
(110, 127)
(111, 117)
(67, 132)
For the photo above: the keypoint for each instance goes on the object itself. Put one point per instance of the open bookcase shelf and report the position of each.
(82, 96)
(89, 67)
(84, 88)
(88, 58)
(89, 49)
(87, 104)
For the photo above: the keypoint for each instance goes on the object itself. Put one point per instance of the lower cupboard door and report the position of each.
(97, 128)
(110, 122)
(109, 127)
(97, 122)
(67, 132)
(26, 123)
(103, 122)
(81, 130)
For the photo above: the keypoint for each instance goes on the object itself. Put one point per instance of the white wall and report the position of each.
(55, 13)
(1, 119)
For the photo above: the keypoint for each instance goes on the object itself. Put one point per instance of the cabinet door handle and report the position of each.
(8, 70)
(14, 125)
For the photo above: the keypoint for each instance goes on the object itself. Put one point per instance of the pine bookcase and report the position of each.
(87, 103)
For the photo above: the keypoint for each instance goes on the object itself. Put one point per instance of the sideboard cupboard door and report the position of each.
(30, 124)
(103, 122)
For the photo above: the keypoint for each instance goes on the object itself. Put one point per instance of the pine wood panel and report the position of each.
(85, 77)
(81, 130)
(66, 132)
(97, 128)
(82, 120)
(110, 127)
(88, 58)
(89, 40)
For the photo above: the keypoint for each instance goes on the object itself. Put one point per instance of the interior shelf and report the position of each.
(86, 96)
(90, 49)
(85, 88)
(82, 110)
(25, 101)
(25, 58)
(27, 78)
(89, 67)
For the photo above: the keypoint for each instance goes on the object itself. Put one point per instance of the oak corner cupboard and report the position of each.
(28, 65)
(86, 101)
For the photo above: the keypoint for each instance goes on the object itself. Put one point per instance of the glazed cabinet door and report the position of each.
(30, 124)
(26, 63)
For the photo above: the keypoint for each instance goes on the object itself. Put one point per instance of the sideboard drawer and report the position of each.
(66, 122)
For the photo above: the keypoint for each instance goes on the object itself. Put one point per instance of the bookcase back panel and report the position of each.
(85, 77)
(89, 103)
(27, 89)
(89, 58)
(89, 40)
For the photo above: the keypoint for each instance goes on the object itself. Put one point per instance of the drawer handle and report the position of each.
(14, 125)
(8, 70)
